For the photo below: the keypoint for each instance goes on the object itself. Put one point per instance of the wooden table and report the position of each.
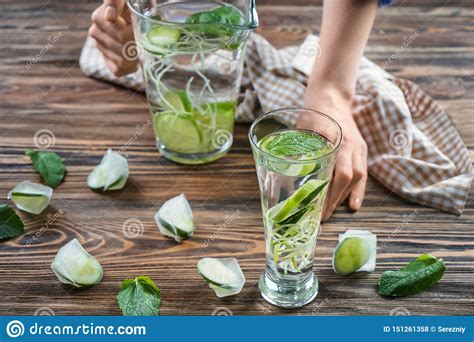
(87, 117)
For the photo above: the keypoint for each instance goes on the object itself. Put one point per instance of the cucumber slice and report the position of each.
(178, 132)
(110, 174)
(225, 116)
(163, 35)
(31, 197)
(298, 170)
(175, 218)
(301, 197)
(177, 101)
(223, 275)
(225, 112)
(355, 252)
(73, 265)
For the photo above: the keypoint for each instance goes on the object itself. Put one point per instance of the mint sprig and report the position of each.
(294, 143)
(416, 277)
(49, 165)
(10, 223)
(139, 297)
(222, 18)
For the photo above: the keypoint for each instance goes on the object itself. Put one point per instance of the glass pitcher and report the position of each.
(191, 54)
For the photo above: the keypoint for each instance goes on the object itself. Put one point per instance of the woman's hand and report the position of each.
(350, 171)
(344, 32)
(112, 30)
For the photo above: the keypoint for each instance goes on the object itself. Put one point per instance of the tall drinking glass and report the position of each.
(191, 54)
(295, 150)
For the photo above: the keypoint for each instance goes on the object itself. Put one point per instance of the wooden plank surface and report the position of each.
(86, 117)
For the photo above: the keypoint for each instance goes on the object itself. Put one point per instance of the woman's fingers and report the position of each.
(113, 9)
(104, 39)
(112, 32)
(118, 30)
(360, 176)
(350, 178)
(359, 172)
(357, 195)
(120, 66)
(342, 179)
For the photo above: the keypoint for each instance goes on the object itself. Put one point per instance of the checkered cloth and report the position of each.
(413, 147)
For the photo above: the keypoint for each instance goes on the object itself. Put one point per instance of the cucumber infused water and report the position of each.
(294, 167)
(191, 55)
(292, 223)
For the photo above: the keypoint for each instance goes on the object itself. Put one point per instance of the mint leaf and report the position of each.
(10, 223)
(222, 17)
(418, 276)
(296, 143)
(139, 297)
(49, 165)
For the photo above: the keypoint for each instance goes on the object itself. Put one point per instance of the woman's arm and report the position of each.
(345, 28)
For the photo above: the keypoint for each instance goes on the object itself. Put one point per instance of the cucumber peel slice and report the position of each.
(163, 35)
(177, 101)
(73, 265)
(178, 132)
(298, 170)
(175, 218)
(306, 194)
(31, 197)
(355, 252)
(223, 275)
(110, 174)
